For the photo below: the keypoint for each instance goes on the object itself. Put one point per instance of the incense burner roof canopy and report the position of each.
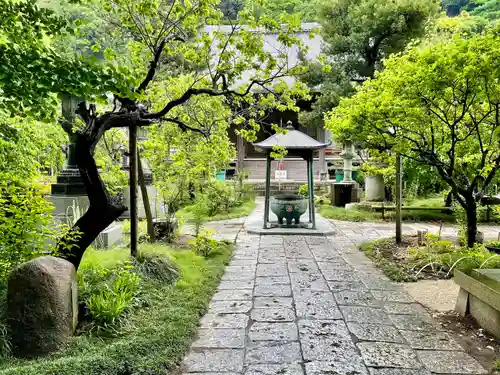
(292, 140)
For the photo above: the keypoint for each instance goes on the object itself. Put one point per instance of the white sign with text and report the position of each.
(280, 174)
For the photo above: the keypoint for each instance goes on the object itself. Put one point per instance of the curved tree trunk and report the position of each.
(103, 210)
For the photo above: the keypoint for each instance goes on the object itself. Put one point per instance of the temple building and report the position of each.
(253, 163)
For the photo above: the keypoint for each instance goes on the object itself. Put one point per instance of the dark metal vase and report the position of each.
(289, 208)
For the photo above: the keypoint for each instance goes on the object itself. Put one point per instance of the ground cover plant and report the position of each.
(138, 317)
(435, 259)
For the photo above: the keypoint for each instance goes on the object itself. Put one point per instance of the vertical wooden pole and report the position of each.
(399, 198)
(268, 190)
(240, 146)
(133, 189)
(311, 192)
(145, 198)
(308, 161)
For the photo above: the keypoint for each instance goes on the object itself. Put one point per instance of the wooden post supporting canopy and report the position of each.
(311, 192)
(268, 190)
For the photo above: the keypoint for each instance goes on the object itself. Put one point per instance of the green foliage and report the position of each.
(108, 295)
(436, 258)
(158, 335)
(437, 105)
(219, 197)
(156, 267)
(358, 35)
(377, 251)
(109, 158)
(26, 226)
(304, 190)
(340, 213)
(204, 243)
(198, 211)
(33, 70)
(5, 345)
(488, 9)
(26, 146)
(443, 257)
(306, 11)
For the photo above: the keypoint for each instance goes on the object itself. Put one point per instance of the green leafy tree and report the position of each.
(26, 146)
(488, 9)
(358, 35)
(438, 105)
(161, 36)
(306, 11)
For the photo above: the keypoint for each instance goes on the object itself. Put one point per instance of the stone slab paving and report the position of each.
(299, 305)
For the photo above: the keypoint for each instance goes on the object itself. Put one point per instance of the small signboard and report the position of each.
(280, 174)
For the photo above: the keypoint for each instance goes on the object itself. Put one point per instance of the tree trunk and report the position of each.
(471, 212)
(448, 202)
(145, 199)
(103, 210)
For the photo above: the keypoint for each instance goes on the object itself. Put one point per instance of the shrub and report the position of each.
(106, 296)
(199, 211)
(204, 244)
(219, 197)
(156, 267)
(304, 190)
(26, 226)
(243, 191)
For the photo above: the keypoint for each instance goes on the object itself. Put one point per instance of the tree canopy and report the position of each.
(358, 35)
(307, 11)
(139, 63)
(438, 104)
(489, 9)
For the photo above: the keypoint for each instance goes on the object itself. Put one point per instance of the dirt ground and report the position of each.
(439, 297)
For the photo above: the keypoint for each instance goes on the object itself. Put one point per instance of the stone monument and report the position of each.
(42, 306)
(375, 188)
(68, 194)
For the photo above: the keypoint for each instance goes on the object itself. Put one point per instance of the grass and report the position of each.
(376, 251)
(340, 213)
(358, 215)
(244, 209)
(156, 337)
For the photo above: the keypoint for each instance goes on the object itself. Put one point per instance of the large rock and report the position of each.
(42, 305)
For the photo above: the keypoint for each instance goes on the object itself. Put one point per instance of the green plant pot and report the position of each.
(288, 207)
(221, 175)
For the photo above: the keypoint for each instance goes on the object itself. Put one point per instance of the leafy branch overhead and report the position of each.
(158, 30)
(439, 105)
(141, 63)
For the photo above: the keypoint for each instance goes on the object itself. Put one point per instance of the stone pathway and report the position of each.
(315, 305)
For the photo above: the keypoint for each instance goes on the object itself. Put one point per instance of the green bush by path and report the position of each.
(244, 209)
(156, 336)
